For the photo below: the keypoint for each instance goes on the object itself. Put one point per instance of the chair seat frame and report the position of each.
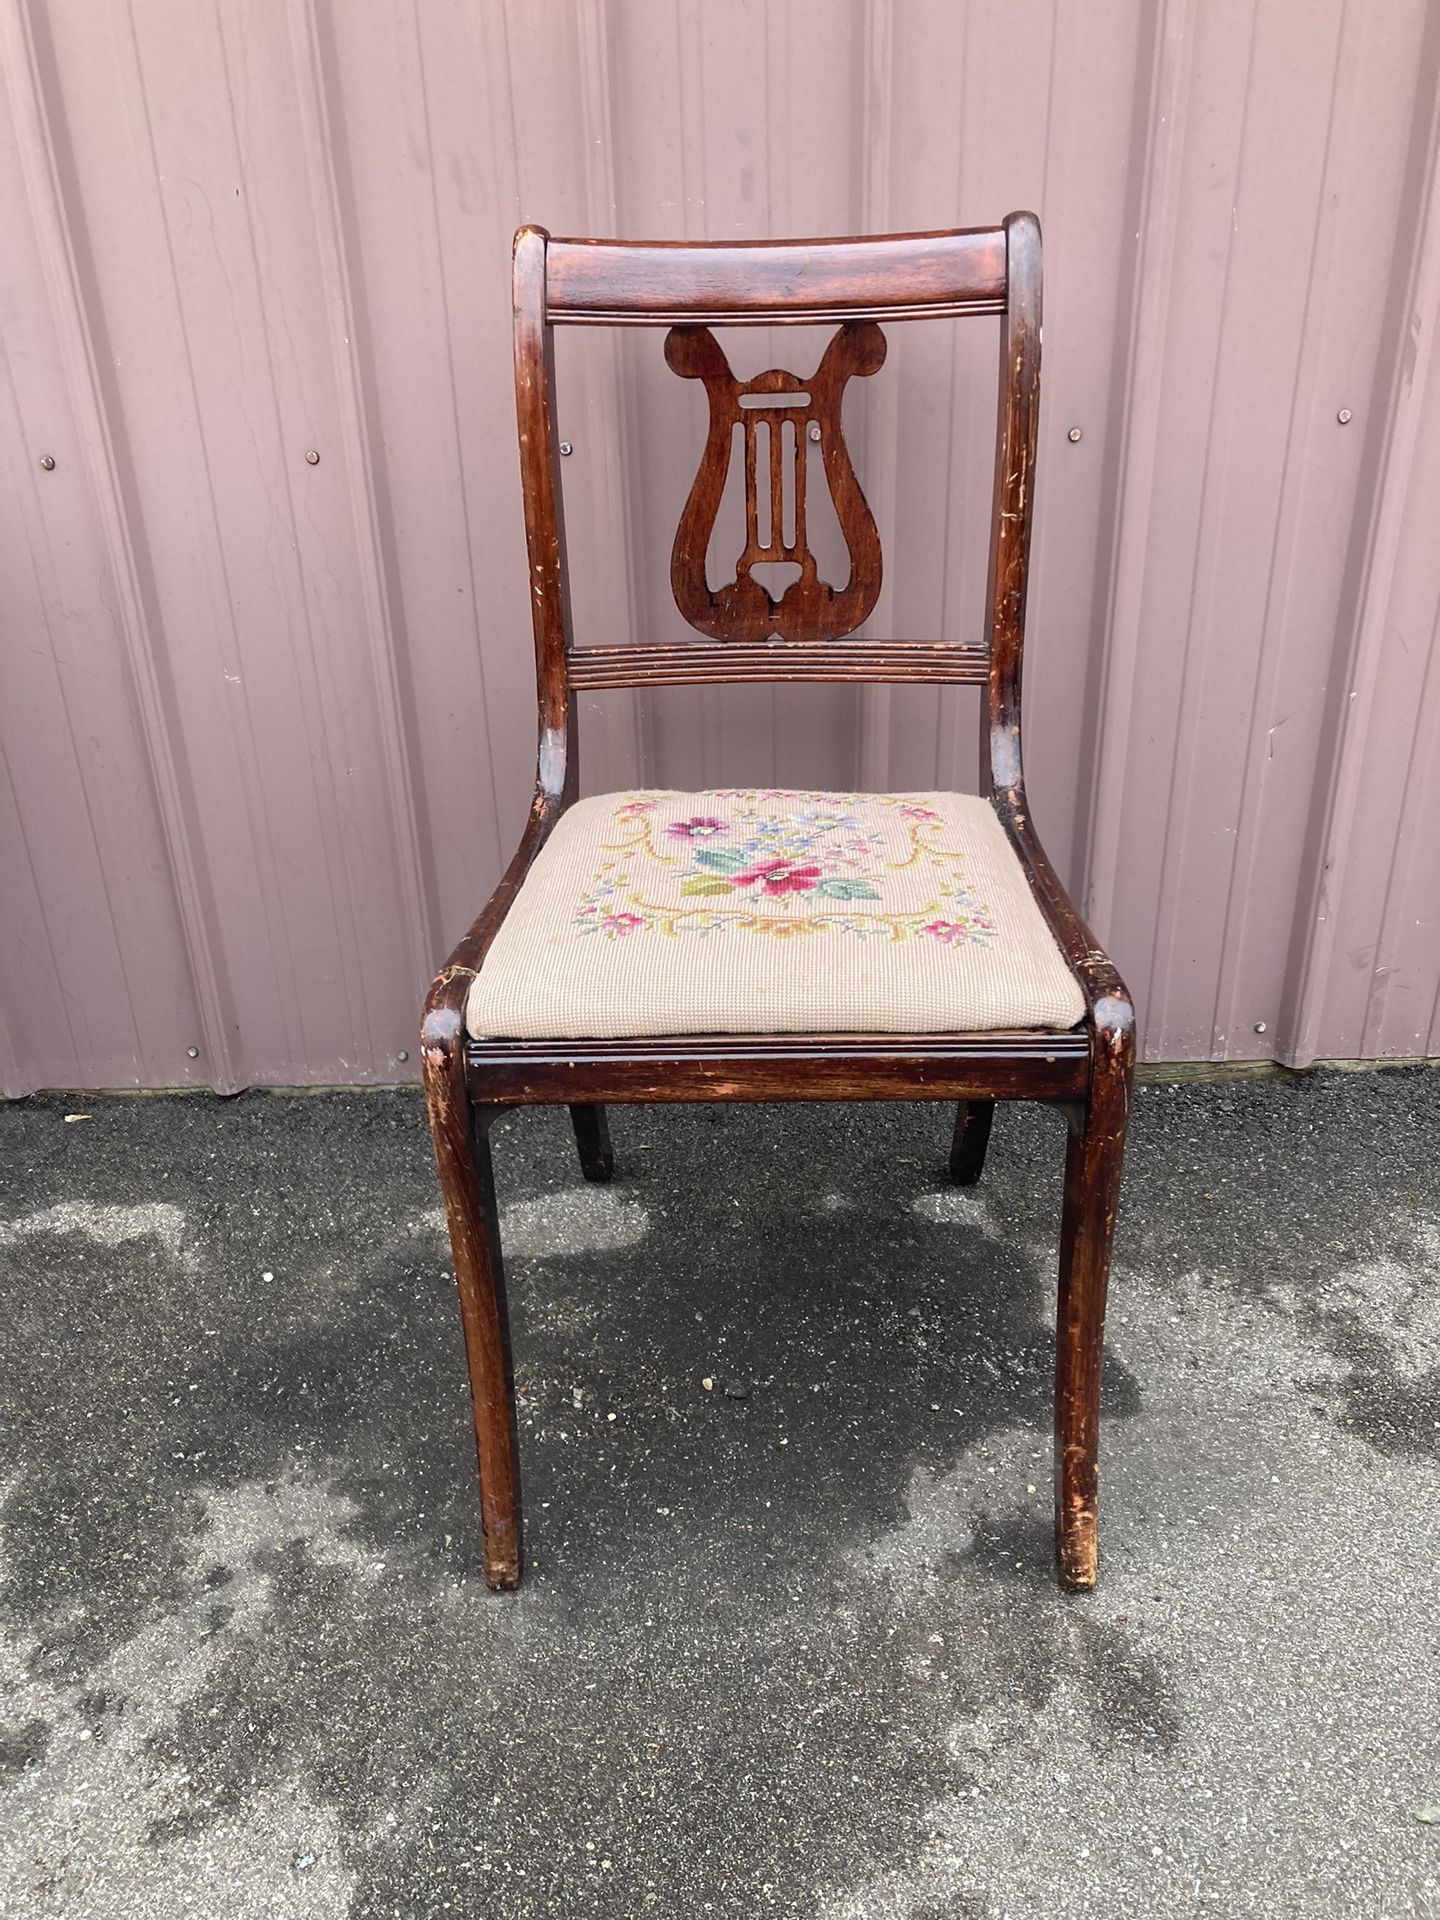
(1086, 1073)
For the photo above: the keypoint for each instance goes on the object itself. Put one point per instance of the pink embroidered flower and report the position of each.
(702, 827)
(920, 813)
(947, 930)
(779, 876)
(640, 806)
(619, 924)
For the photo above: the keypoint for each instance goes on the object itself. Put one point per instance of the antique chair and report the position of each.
(632, 952)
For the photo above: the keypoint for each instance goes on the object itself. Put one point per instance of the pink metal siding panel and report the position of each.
(244, 694)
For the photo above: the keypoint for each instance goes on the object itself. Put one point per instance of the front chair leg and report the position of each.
(462, 1151)
(592, 1137)
(1092, 1189)
(971, 1138)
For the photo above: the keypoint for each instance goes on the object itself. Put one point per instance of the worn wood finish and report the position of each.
(918, 662)
(973, 1119)
(1086, 1073)
(778, 1068)
(790, 410)
(1092, 1191)
(771, 283)
(462, 1153)
(592, 1138)
(558, 769)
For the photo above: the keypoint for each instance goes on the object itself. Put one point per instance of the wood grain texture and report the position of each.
(1093, 1163)
(467, 1184)
(767, 283)
(795, 413)
(1085, 1072)
(1015, 1066)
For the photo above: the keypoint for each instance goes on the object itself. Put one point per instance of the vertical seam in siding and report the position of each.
(877, 92)
(1424, 745)
(1232, 978)
(77, 353)
(422, 918)
(15, 1082)
(498, 809)
(959, 393)
(1163, 103)
(1340, 791)
(347, 933)
(1185, 749)
(86, 1053)
(602, 206)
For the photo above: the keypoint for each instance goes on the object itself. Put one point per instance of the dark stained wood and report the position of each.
(462, 1154)
(1086, 1074)
(1019, 1066)
(1092, 1192)
(592, 1138)
(972, 1136)
(558, 770)
(917, 662)
(1014, 497)
(768, 283)
(808, 609)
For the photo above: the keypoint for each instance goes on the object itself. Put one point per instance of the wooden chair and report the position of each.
(601, 1053)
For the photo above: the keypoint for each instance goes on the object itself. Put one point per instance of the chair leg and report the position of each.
(462, 1151)
(971, 1138)
(592, 1137)
(1092, 1187)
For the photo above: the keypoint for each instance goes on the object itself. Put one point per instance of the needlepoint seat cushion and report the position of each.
(750, 910)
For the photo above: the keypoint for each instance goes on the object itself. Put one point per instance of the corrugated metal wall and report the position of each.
(267, 723)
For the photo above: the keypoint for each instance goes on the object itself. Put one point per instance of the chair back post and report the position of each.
(1000, 754)
(558, 772)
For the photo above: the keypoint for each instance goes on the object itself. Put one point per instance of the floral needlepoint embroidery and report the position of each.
(779, 876)
(700, 828)
(782, 861)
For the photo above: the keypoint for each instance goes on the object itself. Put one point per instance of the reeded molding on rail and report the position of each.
(916, 662)
(783, 1066)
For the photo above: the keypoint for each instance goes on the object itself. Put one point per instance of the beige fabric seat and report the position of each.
(773, 910)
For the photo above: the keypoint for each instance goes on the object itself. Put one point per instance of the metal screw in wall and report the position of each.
(312, 458)
(566, 448)
(1344, 416)
(402, 1055)
(1259, 1026)
(1073, 435)
(47, 461)
(194, 1052)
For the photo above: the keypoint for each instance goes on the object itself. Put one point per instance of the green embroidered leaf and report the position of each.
(720, 859)
(697, 883)
(848, 890)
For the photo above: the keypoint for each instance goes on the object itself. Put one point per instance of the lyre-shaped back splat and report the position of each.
(808, 609)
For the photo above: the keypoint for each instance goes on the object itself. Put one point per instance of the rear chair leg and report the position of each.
(462, 1152)
(592, 1137)
(972, 1136)
(1092, 1189)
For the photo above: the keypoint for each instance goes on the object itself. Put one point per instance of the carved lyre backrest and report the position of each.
(782, 421)
(749, 635)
